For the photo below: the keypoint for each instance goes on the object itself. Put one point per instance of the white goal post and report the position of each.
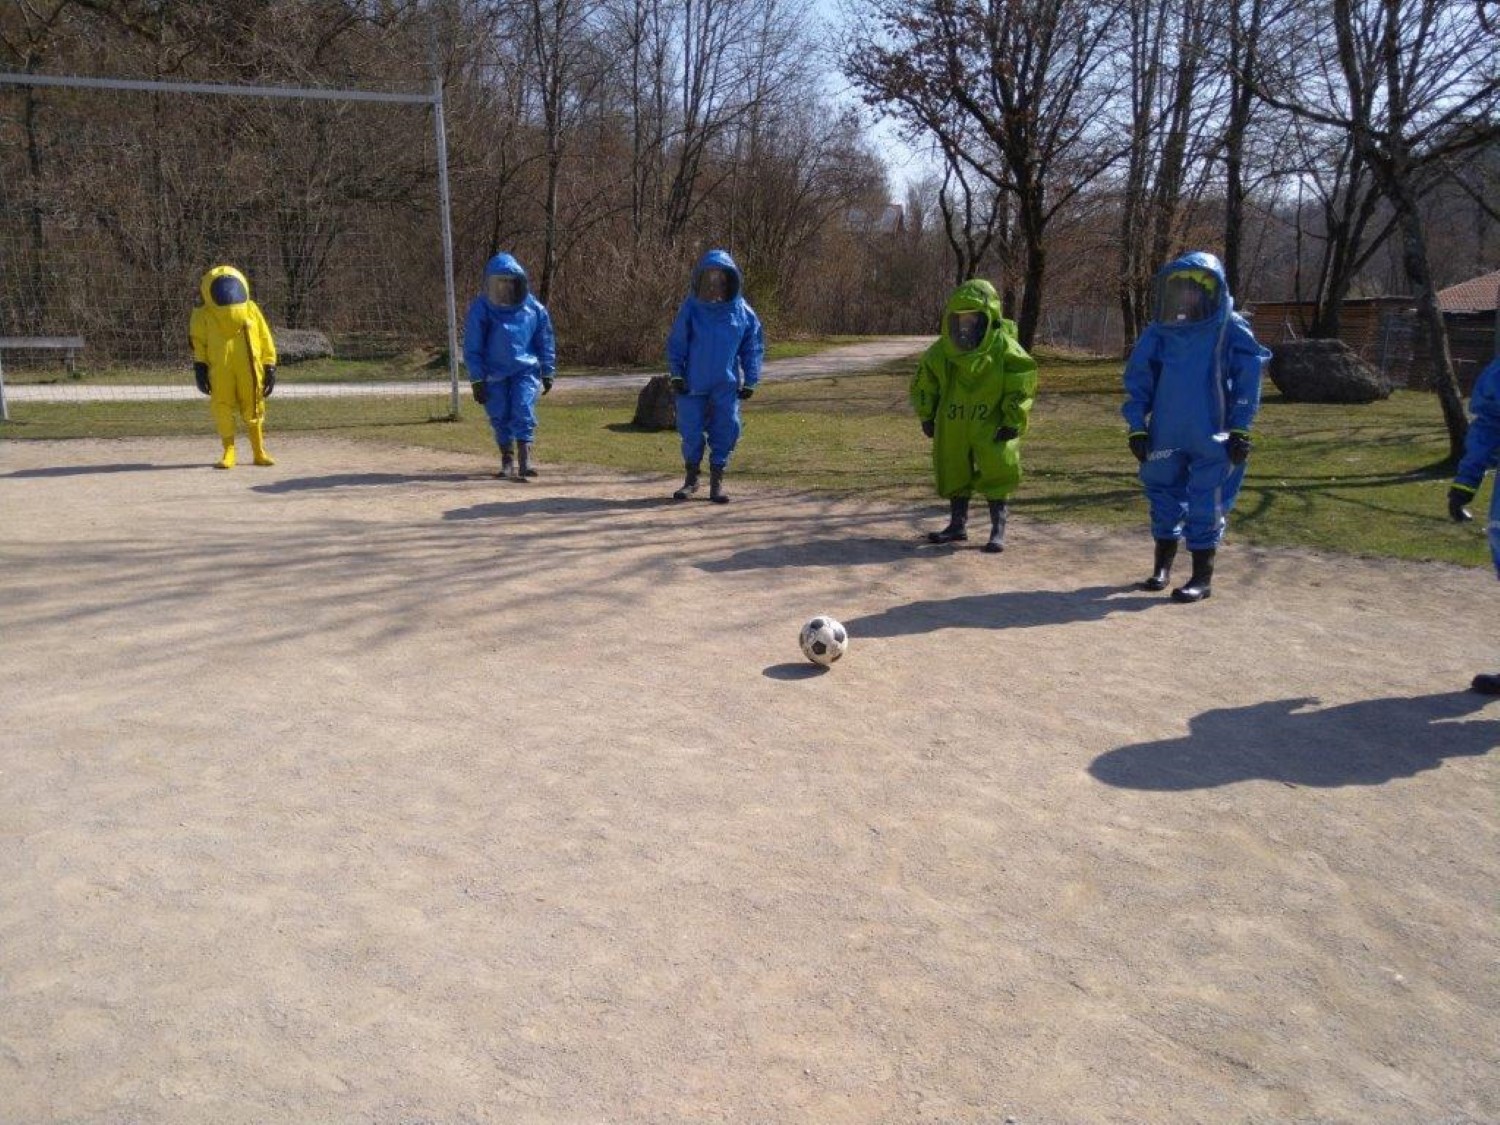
(54, 228)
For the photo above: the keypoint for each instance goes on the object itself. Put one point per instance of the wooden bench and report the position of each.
(70, 346)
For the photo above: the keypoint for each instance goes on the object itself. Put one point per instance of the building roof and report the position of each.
(1479, 294)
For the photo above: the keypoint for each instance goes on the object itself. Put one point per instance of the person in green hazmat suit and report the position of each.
(973, 392)
(234, 359)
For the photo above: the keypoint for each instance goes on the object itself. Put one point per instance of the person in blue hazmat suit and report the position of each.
(1192, 390)
(511, 355)
(714, 353)
(1481, 453)
(234, 359)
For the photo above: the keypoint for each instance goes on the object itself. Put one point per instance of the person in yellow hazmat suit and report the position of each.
(234, 359)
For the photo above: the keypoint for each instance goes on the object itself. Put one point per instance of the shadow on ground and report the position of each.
(805, 670)
(815, 552)
(1287, 740)
(555, 506)
(362, 480)
(90, 470)
(1018, 609)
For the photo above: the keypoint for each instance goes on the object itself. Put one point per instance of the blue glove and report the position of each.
(481, 391)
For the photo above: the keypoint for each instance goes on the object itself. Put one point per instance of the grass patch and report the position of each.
(1367, 480)
(398, 367)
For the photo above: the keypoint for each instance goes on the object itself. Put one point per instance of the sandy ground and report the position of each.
(380, 790)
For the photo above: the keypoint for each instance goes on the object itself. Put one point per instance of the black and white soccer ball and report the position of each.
(823, 640)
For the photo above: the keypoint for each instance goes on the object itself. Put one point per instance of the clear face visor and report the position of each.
(227, 290)
(505, 290)
(1187, 297)
(967, 329)
(715, 285)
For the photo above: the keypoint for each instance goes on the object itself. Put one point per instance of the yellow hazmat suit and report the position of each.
(232, 341)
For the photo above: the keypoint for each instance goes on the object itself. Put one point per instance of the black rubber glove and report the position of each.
(1238, 447)
(1140, 447)
(200, 376)
(1457, 498)
(546, 383)
(268, 381)
(1007, 433)
(679, 385)
(929, 427)
(481, 391)
(745, 392)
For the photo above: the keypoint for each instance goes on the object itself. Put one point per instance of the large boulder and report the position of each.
(296, 345)
(656, 406)
(1325, 371)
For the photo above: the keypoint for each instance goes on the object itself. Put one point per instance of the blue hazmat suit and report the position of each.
(1189, 383)
(1482, 447)
(716, 348)
(511, 349)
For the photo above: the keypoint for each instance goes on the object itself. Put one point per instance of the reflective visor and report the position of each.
(1187, 297)
(715, 285)
(227, 289)
(505, 289)
(967, 329)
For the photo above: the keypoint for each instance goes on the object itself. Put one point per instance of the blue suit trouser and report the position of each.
(512, 408)
(1191, 493)
(714, 415)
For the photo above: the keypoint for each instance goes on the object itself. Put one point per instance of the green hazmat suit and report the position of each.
(970, 394)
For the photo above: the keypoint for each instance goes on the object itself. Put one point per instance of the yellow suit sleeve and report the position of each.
(265, 344)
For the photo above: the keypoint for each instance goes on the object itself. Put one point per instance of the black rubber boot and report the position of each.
(1197, 587)
(689, 482)
(507, 462)
(716, 491)
(1161, 569)
(1486, 683)
(528, 451)
(997, 527)
(958, 523)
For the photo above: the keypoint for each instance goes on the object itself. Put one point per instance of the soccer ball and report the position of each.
(823, 640)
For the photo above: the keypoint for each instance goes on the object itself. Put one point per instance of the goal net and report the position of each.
(116, 196)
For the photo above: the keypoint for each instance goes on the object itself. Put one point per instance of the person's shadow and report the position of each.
(1016, 609)
(1295, 742)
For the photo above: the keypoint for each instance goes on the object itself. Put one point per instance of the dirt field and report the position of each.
(369, 788)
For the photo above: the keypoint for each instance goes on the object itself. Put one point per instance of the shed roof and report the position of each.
(1478, 294)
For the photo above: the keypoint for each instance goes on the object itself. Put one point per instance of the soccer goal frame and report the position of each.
(433, 98)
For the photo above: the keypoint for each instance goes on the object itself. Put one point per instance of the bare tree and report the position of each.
(1025, 77)
(1420, 83)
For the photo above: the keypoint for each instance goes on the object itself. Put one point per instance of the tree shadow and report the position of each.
(556, 506)
(816, 552)
(632, 428)
(1369, 742)
(805, 670)
(89, 470)
(1019, 609)
(363, 480)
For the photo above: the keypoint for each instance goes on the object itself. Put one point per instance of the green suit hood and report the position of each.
(976, 294)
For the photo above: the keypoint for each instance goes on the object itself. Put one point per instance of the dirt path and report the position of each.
(831, 361)
(358, 791)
